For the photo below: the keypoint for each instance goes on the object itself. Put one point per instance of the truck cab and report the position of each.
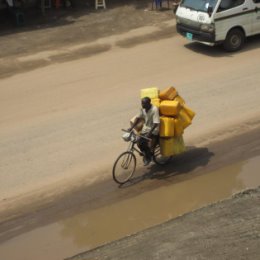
(213, 22)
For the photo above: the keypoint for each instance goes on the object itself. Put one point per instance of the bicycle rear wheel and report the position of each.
(158, 158)
(124, 167)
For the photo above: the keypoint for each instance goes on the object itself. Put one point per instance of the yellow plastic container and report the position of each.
(189, 112)
(166, 126)
(184, 117)
(180, 99)
(170, 107)
(172, 146)
(178, 145)
(152, 92)
(178, 127)
(168, 93)
(156, 102)
(166, 146)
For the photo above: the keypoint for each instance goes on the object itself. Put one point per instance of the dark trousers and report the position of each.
(147, 146)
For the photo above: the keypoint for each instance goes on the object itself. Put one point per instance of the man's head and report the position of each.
(146, 103)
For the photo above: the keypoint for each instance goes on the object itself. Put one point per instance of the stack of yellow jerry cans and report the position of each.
(175, 116)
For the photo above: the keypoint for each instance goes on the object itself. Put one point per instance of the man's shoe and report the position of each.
(146, 161)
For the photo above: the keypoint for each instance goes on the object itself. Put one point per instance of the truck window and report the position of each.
(199, 5)
(228, 4)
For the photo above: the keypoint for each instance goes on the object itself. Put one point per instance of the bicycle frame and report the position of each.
(131, 146)
(133, 139)
(125, 164)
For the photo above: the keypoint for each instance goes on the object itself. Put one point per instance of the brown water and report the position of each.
(88, 230)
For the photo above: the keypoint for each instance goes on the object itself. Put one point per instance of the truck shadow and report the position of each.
(194, 158)
(251, 43)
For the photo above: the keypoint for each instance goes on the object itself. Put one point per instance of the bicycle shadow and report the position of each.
(187, 162)
(184, 163)
(135, 180)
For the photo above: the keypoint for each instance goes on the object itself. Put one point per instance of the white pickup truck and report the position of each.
(213, 22)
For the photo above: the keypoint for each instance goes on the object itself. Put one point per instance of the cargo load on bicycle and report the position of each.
(175, 117)
(171, 117)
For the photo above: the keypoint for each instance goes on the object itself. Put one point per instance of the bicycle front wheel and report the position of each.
(158, 158)
(124, 167)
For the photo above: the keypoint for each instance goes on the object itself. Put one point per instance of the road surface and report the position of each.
(60, 124)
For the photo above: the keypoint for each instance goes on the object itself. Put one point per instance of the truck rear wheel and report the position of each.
(235, 40)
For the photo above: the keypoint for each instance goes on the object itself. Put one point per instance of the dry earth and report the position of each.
(78, 32)
(37, 123)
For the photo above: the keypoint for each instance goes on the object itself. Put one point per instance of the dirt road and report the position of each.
(74, 33)
(87, 217)
(60, 124)
(66, 225)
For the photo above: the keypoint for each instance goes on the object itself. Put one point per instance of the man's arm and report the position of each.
(151, 131)
(136, 121)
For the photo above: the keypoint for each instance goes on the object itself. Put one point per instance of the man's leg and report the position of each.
(154, 142)
(144, 147)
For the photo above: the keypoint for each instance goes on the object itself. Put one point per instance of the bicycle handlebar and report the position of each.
(132, 132)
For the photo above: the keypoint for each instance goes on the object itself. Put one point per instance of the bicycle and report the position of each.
(125, 164)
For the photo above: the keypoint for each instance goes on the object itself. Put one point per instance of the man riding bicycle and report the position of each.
(150, 114)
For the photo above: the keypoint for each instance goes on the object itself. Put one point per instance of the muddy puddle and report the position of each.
(93, 228)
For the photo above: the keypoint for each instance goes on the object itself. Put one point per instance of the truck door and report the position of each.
(230, 14)
(256, 17)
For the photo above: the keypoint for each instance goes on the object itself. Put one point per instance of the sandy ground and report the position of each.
(71, 35)
(21, 217)
(64, 98)
(78, 32)
(57, 122)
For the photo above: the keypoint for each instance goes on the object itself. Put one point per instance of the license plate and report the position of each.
(189, 36)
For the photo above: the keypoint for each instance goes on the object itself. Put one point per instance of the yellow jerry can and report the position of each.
(172, 146)
(166, 126)
(189, 112)
(152, 92)
(166, 146)
(178, 127)
(156, 102)
(178, 145)
(180, 99)
(170, 107)
(184, 117)
(168, 93)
